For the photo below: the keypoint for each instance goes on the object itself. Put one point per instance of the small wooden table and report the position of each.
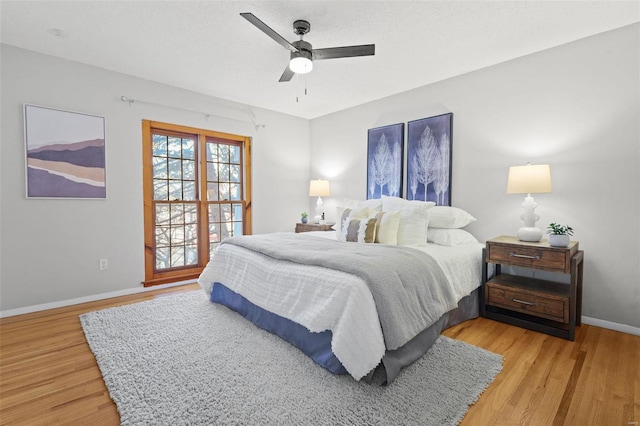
(550, 307)
(307, 227)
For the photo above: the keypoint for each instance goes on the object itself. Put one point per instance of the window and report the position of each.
(196, 193)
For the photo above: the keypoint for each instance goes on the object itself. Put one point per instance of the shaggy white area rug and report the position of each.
(181, 360)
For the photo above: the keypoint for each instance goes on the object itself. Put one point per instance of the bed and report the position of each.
(352, 307)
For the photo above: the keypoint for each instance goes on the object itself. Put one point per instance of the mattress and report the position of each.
(325, 300)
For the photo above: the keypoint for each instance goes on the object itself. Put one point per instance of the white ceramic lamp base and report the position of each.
(529, 232)
(318, 218)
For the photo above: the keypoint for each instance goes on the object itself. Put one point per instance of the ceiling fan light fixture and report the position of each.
(301, 65)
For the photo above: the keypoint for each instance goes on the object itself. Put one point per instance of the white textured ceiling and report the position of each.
(207, 47)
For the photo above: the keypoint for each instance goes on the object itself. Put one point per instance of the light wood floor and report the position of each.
(48, 375)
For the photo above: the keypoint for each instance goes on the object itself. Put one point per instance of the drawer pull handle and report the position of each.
(524, 302)
(524, 256)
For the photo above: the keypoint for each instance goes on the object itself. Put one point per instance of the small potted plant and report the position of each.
(304, 217)
(559, 234)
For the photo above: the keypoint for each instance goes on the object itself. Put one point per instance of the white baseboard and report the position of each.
(85, 299)
(624, 328)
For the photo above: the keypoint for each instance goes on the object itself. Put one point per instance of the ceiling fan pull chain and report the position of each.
(297, 90)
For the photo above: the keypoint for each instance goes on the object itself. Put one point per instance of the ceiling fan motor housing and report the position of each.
(304, 50)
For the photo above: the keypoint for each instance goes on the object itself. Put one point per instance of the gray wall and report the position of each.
(51, 248)
(575, 107)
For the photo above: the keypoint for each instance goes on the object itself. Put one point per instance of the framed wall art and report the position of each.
(65, 153)
(385, 147)
(429, 145)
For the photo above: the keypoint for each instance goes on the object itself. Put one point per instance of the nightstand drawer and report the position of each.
(538, 255)
(542, 305)
(530, 257)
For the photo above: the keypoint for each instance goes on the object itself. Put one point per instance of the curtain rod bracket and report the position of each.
(125, 99)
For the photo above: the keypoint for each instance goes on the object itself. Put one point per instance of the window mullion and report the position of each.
(203, 200)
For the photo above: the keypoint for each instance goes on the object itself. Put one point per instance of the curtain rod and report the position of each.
(131, 101)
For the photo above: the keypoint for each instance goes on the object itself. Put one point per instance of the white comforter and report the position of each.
(323, 299)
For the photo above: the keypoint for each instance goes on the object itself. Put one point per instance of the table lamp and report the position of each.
(529, 179)
(319, 188)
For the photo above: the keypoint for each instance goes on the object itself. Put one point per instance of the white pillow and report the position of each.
(353, 212)
(449, 217)
(350, 204)
(449, 237)
(413, 224)
(340, 218)
(412, 228)
(387, 224)
(392, 204)
(374, 204)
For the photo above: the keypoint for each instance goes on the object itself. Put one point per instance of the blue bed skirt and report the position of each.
(317, 346)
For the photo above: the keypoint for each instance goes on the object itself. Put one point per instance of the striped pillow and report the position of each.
(360, 230)
(345, 215)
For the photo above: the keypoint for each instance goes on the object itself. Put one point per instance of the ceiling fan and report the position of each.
(302, 53)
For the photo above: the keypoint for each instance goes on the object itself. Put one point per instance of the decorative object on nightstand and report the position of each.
(319, 188)
(304, 217)
(559, 235)
(550, 307)
(529, 179)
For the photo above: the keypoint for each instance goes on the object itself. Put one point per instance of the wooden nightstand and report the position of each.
(306, 227)
(546, 306)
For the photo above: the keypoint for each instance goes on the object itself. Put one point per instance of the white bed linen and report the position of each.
(323, 299)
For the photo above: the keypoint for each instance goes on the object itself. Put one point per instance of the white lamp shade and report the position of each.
(529, 179)
(301, 65)
(319, 188)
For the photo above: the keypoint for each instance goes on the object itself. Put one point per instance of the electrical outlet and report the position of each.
(104, 264)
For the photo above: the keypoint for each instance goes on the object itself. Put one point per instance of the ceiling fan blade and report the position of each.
(344, 52)
(268, 31)
(287, 75)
